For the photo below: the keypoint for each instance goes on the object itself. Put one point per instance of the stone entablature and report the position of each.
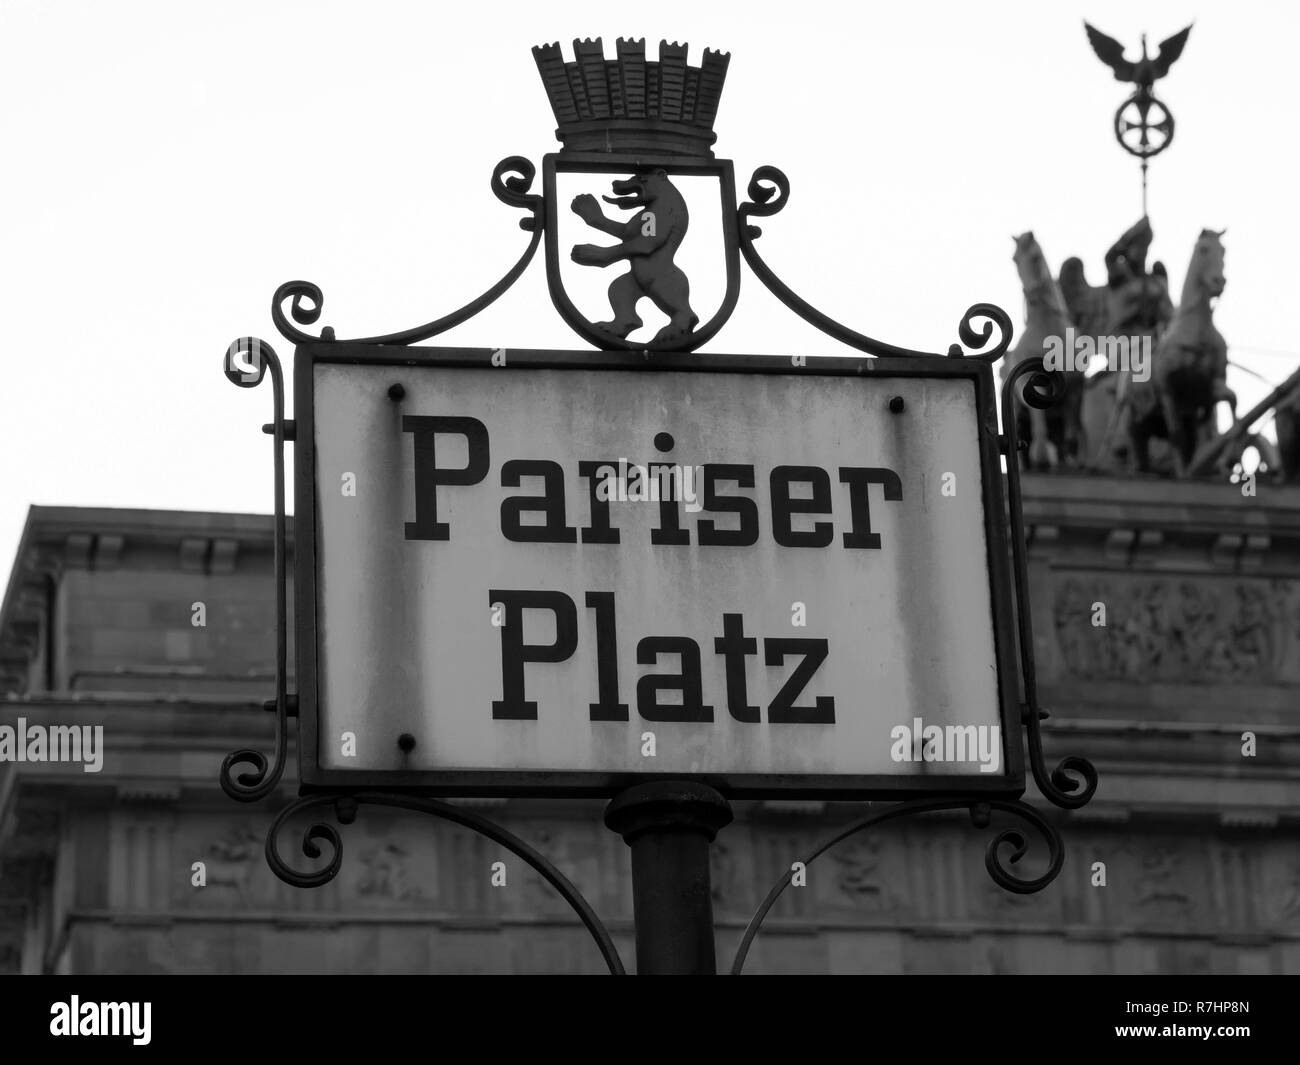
(103, 600)
(1201, 589)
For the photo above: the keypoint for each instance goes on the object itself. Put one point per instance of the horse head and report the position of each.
(1205, 278)
(1044, 303)
(1031, 263)
(1046, 318)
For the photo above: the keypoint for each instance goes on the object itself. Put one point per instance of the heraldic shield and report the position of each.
(639, 134)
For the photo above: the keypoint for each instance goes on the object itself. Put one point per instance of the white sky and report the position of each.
(169, 164)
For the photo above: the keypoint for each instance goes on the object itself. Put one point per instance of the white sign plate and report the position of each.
(804, 601)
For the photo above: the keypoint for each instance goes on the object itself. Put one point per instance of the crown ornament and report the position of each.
(632, 106)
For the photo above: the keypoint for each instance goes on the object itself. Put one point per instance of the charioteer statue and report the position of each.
(1137, 301)
(1137, 306)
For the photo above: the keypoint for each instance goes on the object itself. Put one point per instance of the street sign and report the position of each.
(532, 572)
(642, 573)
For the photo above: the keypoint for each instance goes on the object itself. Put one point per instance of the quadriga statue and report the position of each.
(1179, 400)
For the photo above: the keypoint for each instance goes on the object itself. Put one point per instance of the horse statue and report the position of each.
(1055, 434)
(1089, 308)
(1191, 365)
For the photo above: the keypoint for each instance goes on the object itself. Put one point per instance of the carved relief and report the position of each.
(555, 843)
(231, 859)
(860, 877)
(384, 875)
(1004, 907)
(1287, 893)
(1160, 880)
(1176, 630)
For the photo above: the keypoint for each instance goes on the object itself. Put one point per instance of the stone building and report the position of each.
(1196, 823)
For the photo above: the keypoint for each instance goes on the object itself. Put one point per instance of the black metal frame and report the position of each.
(1008, 783)
(249, 787)
(1069, 785)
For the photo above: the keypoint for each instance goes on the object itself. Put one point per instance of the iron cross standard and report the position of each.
(1142, 113)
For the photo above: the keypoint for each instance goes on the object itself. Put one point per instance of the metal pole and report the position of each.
(669, 826)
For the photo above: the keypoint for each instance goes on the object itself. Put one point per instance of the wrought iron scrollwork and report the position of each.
(1003, 876)
(511, 180)
(994, 853)
(262, 780)
(994, 317)
(345, 809)
(985, 330)
(769, 190)
(315, 833)
(1073, 781)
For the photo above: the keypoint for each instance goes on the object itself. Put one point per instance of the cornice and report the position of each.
(56, 540)
(1143, 519)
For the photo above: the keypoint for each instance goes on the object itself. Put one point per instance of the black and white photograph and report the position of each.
(734, 489)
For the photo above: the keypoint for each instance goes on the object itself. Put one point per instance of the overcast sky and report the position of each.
(170, 164)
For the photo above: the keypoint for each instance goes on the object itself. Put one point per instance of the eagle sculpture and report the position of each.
(1146, 71)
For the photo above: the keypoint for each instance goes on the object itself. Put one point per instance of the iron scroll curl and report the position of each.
(315, 833)
(511, 180)
(769, 191)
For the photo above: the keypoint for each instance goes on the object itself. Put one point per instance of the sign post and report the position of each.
(638, 573)
(669, 826)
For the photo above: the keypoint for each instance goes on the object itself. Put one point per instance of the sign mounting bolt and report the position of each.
(396, 393)
(896, 404)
